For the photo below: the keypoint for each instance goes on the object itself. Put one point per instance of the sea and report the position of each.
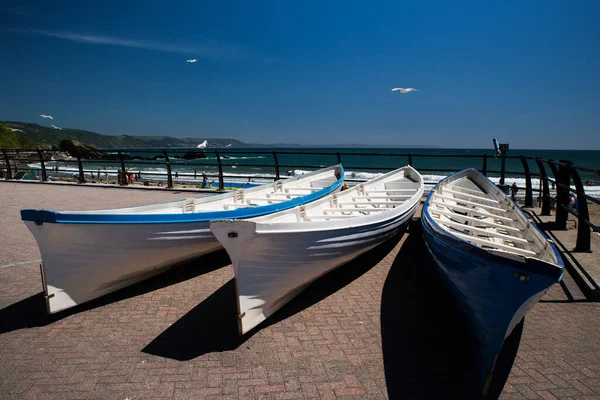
(256, 165)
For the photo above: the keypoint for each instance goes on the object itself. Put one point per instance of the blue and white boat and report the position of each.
(493, 259)
(87, 254)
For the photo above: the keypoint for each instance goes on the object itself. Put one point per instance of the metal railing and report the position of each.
(565, 173)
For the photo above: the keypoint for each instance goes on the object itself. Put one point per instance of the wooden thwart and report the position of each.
(471, 210)
(471, 203)
(355, 210)
(497, 246)
(502, 236)
(471, 196)
(477, 220)
(368, 203)
(396, 196)
(330, 216)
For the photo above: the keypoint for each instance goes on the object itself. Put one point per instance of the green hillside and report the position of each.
(52, 137)
(12, 139)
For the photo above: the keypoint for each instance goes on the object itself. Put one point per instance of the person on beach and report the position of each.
(204, 179)
(105, 176)
(195, 173)
(98, 172)
(119, 176)
(176, 174)
(513, 191)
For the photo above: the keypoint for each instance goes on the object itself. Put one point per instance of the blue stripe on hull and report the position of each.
(57, 217)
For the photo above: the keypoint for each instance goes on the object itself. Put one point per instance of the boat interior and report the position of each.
(280, 191)
(382, 194)
(474, 209)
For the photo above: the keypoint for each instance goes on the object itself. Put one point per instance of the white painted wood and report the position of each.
(487, 243)
(509, 232)
(470, 210)
(83, 261)
(461, 201)
(475, 220)
(471, 196)
(355, 210)
(276, 256)
(483, 231)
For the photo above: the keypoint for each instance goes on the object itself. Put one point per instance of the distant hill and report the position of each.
(15, 139)
(52, 137)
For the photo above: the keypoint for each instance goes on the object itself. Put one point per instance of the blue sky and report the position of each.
(309, 72)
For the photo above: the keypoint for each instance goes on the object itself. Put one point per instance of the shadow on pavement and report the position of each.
(429, 351)
(211, 326)
(31, 312)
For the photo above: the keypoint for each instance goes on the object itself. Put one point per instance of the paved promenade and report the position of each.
(380, 327)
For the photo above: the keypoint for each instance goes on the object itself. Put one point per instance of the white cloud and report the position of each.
(46, 116)
(192, 61)
(210, 49)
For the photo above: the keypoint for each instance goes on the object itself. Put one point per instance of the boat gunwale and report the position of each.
(323, 225)
(57, 217)
(527, 263)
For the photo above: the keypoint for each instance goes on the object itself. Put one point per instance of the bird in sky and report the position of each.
(202, 145)
(229, 145)
(56, 127)
(46, 116)
(404, 90)
(192, 61)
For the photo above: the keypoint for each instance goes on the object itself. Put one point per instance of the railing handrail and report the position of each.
(563, 171)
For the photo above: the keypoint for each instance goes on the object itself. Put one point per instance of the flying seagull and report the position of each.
(229, 145)
(202, 145)
(46, 116)
(192, 61)
(404, 90)
(56, 127)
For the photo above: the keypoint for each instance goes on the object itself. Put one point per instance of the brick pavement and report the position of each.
(380, 327)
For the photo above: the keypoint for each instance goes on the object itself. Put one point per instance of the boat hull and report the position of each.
(81, 262)
(86, 254)
(494, 290)
(271, 267)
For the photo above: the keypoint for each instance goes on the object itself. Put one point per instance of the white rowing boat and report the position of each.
(87, 254)
(276, 256)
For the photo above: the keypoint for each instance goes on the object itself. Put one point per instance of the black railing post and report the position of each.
(124, 177)
(169, 176)
(410, 162)
(339, 157)
(562, 196)
(583, 230)
(44, 177)
(503, 168)
(276, 161)
(220, 165)
(484, 168)
(545, 190)
(80, 167)
(7, 162)
(528, 188)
